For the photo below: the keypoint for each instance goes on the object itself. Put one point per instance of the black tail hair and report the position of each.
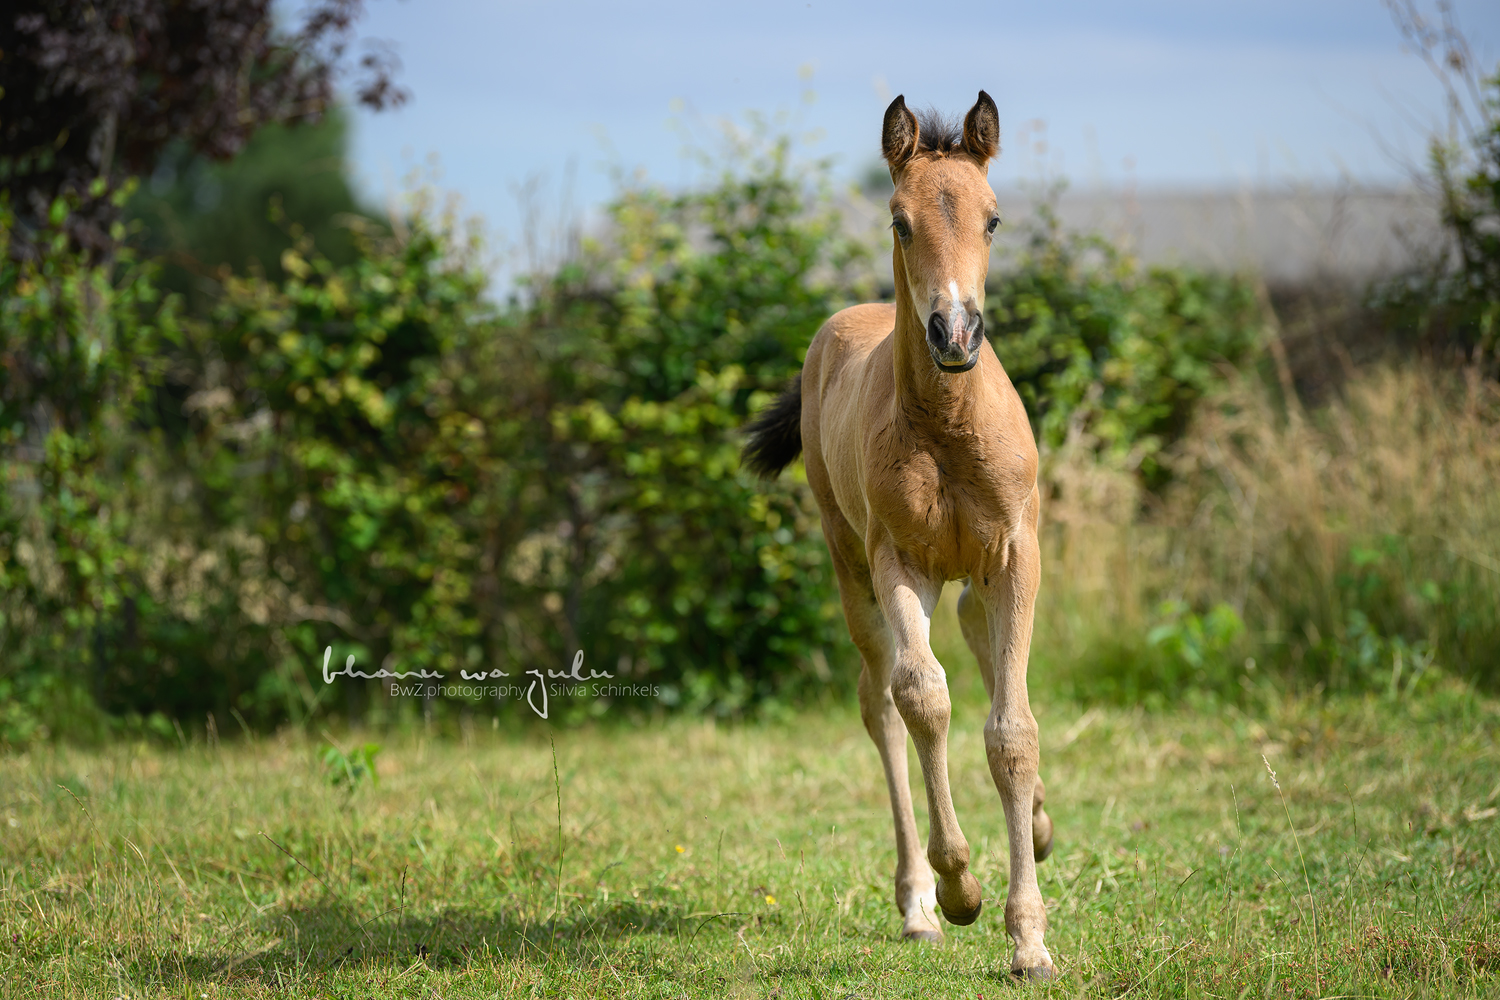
(775, 434)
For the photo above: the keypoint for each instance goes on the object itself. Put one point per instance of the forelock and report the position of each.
(937, 132)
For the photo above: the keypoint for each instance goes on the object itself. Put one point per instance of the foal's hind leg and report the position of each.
(916, 896)
(976, 628)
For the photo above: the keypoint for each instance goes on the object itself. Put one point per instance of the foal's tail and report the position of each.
(776, 434)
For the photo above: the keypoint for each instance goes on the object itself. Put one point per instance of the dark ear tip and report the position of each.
(898, 138)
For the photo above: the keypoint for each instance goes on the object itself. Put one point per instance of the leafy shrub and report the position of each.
(377, 458)
(1099, 348)
(466, 488)
(370, 454)
(349, 769)
(333, 437)
(78, 342)
(683, 568)
(1450, 305)
(195, 215)
(1181, 653)
(1359, 541)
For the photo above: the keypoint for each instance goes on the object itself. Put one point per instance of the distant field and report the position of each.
(702, 860)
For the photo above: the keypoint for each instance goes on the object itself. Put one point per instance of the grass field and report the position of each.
(685, 858)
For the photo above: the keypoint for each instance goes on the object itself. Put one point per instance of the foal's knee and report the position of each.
(1011, 744)
(920, 691)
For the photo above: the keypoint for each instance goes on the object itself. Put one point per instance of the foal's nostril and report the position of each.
(937, 330)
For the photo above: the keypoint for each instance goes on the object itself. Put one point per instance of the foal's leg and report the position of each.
(915, 893)
(1010, 740)
(976, 628)
(919, 688)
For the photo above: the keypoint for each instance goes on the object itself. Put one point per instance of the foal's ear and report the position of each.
(982, 130)
(898, 136)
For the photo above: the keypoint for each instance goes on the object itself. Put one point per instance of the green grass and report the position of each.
(694, 859)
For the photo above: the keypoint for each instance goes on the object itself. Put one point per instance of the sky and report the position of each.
(562, 99)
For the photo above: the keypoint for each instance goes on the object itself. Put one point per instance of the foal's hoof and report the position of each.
(924, 936)
(960, 898)
(963, 919)
(1038, 973)
(1041, 835)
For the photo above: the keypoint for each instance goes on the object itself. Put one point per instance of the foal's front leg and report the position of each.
(975, 622)
(915, 894)
(1011, 744)
(919, 688)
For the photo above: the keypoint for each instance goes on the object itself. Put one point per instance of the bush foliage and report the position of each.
(1450, 306)
(374, 456)
(668, 560)
(78, 354)
(370, 453)
(1100, 348)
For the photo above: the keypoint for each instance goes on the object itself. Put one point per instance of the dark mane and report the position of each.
(936, 132)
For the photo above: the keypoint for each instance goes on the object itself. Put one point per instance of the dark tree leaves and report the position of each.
(91, 93)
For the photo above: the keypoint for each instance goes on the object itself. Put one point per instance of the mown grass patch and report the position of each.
(686, 858)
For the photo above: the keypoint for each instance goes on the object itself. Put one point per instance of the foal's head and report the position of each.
(944, 217)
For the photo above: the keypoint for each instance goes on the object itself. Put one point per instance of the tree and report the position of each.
(92, 93)
(1451, 303)
(203, 219)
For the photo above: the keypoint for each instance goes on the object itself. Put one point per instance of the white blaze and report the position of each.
(955, 308)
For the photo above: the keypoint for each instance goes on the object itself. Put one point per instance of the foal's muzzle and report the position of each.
(955, 351)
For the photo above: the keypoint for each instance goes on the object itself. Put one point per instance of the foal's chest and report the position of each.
(952, 508)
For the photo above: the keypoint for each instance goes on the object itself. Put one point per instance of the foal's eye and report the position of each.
(903, 231)
(994, 221)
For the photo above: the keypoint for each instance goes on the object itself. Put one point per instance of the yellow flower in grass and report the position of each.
(770, 900)
(680, 849)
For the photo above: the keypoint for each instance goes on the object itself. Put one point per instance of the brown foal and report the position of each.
(924, 466)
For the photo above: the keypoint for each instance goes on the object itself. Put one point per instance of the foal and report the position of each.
(924, 467)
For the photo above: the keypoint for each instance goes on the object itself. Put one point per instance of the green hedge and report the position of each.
(375, 456)
(1100, 348)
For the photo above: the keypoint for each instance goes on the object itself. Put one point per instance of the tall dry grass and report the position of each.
(1356, 546)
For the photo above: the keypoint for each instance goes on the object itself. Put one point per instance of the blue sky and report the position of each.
(1156, 93)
